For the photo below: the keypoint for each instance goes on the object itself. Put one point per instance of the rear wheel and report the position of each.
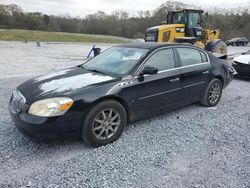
(220, 47)
(104, 123)
(213, 93)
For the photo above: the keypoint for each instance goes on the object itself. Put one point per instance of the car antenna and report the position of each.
(91, 51)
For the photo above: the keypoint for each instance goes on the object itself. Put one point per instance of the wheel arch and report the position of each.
(219, 77)
(110, 97)
(115, 98)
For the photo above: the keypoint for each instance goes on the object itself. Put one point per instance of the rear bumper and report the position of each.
(46, 129)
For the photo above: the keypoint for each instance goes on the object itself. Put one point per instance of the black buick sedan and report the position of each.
(94, 101)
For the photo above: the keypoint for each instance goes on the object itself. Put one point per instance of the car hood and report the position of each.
(243, 59)
(61, 83)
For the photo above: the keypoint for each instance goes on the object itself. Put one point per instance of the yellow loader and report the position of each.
(186, 26)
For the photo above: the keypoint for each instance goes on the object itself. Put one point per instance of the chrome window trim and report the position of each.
(204, 63)
(177, 68)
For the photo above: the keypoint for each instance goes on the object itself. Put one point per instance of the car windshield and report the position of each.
(116, 60)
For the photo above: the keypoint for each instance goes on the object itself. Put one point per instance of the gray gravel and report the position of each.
(190, 147)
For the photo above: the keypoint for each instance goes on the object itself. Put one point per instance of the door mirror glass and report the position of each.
(148, 70)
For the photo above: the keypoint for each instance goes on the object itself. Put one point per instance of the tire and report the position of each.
(212, 93)
(220, 47)
(97, 129)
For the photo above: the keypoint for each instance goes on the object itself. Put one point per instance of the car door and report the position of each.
(195, 72)
(153, 93)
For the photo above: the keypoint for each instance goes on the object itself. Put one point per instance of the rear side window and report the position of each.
(162, 60)
(190, 56)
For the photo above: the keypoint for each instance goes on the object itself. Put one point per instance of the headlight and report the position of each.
(51, 107)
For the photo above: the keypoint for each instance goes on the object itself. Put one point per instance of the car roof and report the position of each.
(151, 45)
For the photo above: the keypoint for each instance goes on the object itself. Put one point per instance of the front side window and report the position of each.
(190, 56)
(116, 60)
(162, 60)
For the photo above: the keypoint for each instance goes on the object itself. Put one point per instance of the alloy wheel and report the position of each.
(106, 123)
(214, 93)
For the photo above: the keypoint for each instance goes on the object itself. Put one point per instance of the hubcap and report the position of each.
(214, 93)
(106, 123)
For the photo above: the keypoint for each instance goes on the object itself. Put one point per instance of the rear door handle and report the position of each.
(175, 80)
(205, 72)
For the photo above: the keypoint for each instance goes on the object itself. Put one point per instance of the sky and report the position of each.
(81, 8)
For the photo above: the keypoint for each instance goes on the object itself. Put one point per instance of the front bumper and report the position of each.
(47, 128)
(242, 69)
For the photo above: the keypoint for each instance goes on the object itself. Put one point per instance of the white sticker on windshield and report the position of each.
(134, 57)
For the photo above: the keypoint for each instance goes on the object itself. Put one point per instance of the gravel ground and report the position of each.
(193, 146)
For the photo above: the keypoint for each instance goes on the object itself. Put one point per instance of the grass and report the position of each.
(30, 35)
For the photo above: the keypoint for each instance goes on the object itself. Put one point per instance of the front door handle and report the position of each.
(205, 72)
(175, 80)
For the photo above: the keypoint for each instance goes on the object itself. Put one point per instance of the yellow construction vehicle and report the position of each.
(186, 26)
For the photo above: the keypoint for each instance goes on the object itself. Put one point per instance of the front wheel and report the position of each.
(104, 123)
(213, 93)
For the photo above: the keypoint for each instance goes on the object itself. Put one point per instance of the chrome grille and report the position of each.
(17, 101)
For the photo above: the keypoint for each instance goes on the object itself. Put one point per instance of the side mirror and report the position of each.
(148, 70)
(97, 51)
